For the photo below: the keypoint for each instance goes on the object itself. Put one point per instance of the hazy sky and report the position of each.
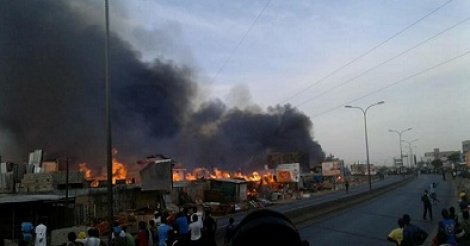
(293, 44)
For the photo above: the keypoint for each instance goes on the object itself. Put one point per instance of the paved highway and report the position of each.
(369, 223)
(317, 198)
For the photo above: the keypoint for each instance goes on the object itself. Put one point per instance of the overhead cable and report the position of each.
(383, 62)
(395, 83)
(365, 53)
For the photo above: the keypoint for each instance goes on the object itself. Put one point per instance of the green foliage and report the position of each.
(437, 164)
(454, 157)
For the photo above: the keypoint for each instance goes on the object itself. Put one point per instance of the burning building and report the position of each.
(155, 102)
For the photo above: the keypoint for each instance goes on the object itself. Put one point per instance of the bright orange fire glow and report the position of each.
(83, 168)
(202, 173)
(119, 172)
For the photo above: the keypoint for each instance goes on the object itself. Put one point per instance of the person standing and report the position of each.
(346, 185)
(129, 238)
(463, 202)
(183, 227)
(93, 238)
(229, 231)
(196, 230)
(465, 226)
(142, 237)
(447, 226)
(27, 231)
(41, 234)
(412, 234)
(71, 237)
(153, 232)
(210, 227)
(427, 205)
(163, 231)
(396, 235)
(432, 192)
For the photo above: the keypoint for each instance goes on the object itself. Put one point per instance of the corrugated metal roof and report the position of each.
(28, 198)
(237, 181)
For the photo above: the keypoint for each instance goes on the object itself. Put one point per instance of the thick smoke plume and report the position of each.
(52, 97)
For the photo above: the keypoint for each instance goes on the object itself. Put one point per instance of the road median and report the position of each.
(315, 211)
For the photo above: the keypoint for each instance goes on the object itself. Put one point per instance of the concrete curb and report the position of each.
(319, 210)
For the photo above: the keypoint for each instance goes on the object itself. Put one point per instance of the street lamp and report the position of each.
(400, 140)
(410, 150)
(364, 111)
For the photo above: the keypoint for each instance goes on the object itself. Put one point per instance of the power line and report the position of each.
(364, 54)
(241, 40)
(383, 63)
(395, 83)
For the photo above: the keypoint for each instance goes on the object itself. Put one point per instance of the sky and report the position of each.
(256, 56)
(277, 52)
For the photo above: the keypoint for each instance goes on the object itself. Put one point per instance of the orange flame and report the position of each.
(119, 171)
(202, 173)
(83, 168)
(178, 175)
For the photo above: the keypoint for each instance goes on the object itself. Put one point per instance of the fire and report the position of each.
(83, 168)
(119, 171)
(202, 173)
(178, 175)
(219, 174)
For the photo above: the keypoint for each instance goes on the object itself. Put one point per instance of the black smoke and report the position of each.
(52, 97)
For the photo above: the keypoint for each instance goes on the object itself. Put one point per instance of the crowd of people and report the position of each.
(187, 227)
(453, 227)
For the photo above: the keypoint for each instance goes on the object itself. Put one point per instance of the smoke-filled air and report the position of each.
(52, 98)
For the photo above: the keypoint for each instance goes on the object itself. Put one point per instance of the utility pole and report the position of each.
(67, 182)
(109, 160)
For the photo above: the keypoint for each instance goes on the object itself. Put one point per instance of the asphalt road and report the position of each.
(369, 223)
(315, 199)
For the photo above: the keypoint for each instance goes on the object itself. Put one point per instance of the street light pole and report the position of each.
(411, 158)
(364, 112)
(400, 140)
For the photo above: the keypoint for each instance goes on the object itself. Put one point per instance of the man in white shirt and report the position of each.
(195, 227)
(41, 235)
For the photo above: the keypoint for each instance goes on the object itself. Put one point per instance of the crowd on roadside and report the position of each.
(186, 227)
(452, 229)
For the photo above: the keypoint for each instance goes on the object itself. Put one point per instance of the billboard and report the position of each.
(288, 173)
(361, 169)
(331, 168)
(157, 175)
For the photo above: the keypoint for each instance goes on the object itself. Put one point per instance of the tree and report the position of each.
(437, 163)
(454, 157)
(330, 157)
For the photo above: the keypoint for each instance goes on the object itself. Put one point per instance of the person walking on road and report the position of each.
(396, 235)
(427, 205)
(346, 185)
(432, 192)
